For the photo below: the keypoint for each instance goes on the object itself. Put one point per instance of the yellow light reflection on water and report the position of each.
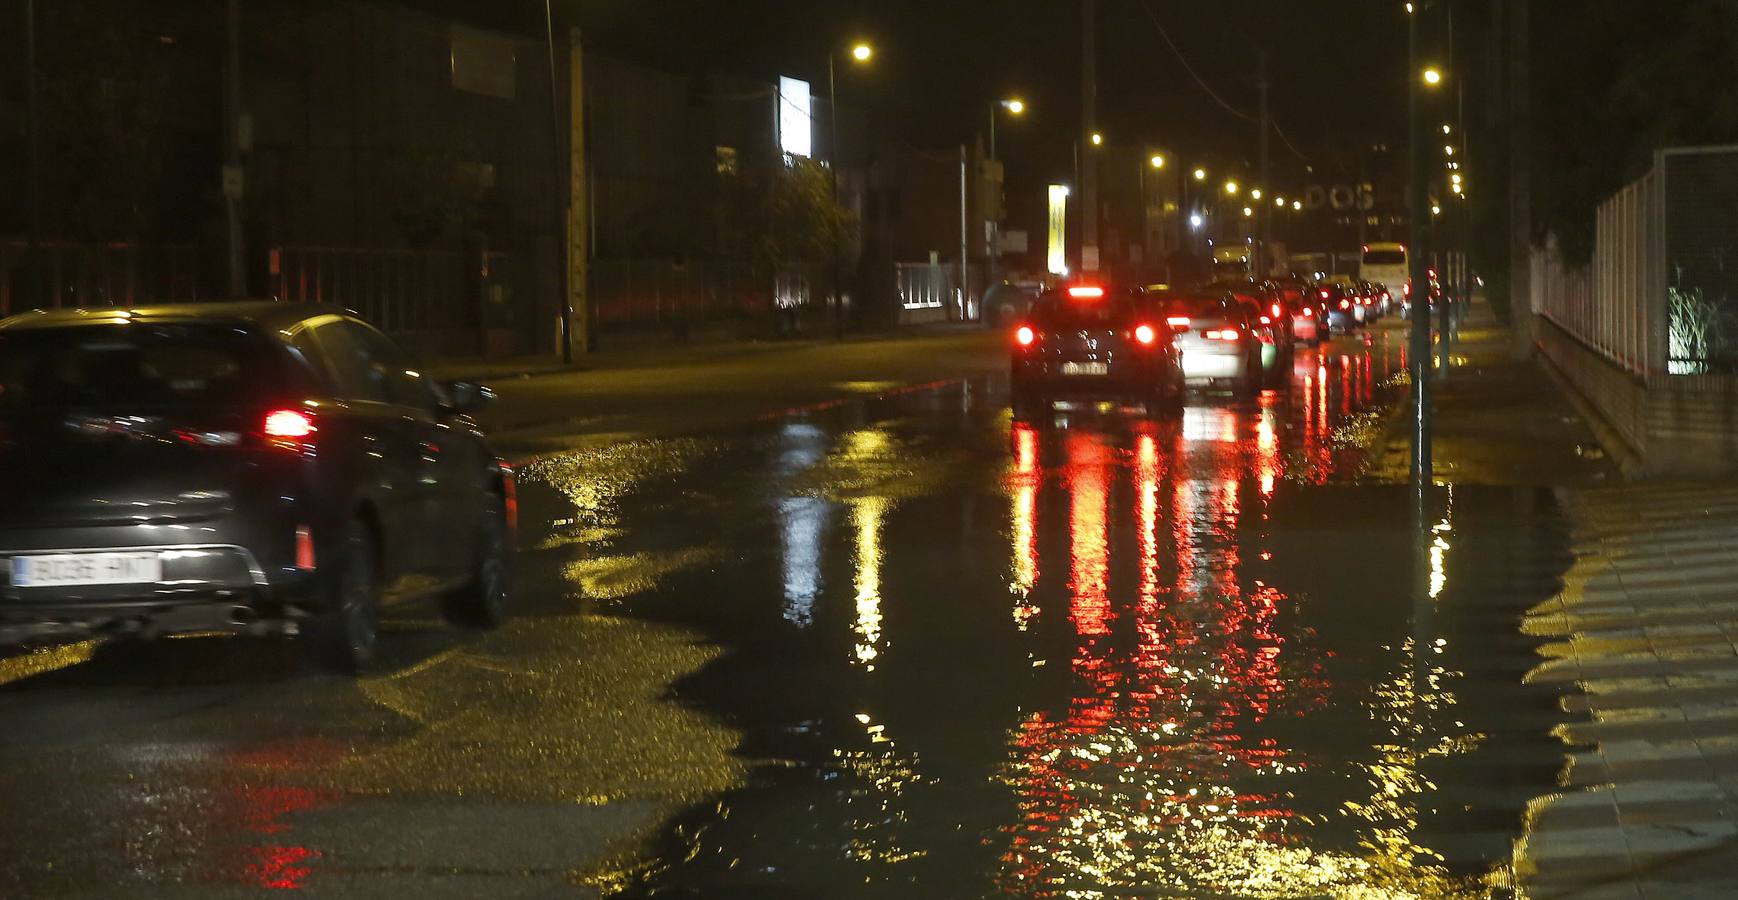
(866, 518)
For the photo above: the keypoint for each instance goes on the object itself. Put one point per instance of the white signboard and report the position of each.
(796, 117)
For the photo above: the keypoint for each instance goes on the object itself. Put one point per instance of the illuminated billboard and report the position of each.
(1057, 259)
(796, 117)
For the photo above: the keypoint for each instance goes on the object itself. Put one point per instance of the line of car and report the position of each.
(1150, 345)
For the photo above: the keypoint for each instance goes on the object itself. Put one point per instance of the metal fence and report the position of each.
(1661, 293)
(54, 274)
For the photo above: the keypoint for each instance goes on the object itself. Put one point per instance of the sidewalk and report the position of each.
(1641, 641)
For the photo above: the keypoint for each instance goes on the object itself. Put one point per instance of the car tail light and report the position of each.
(1387, 296)
(1145, 334)
(1228, 334)
(304, 547)
(1266, 321)
(1325, 295)
(1090, 292)
(1276, 309)
(1309, 312)
(288, 423)
(1178, 323)
(1345, 304)
(1408, 288)
(509, 494)
(1026, 336)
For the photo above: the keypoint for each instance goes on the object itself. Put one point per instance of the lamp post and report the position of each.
(1418, 80)
(860, 53)
(1015, 107)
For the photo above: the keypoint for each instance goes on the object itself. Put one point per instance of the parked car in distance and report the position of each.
(253, 467)
(1088, 340)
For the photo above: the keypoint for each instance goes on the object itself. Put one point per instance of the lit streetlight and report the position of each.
(1255, 194)
(1200, 174)
(1279, 202)
(1158, 160)
(1196, 221)
(860, 52)
(1297, 205)
(1231, 188)
(1433, 76)
(1097, 139)
(1248, 213)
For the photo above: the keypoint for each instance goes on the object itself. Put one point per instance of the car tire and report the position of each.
(482, 602)
(346, 638)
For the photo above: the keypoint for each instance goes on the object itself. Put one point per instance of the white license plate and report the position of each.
(64, 569)
(1086, 368)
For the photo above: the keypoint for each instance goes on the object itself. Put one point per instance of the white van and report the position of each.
(1386, 265)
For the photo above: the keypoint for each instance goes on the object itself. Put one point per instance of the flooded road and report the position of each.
(900, 647)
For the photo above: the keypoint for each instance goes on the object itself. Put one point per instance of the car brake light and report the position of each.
(1229, 334)
(288, 423)
(304, 547)
(1387, 296)
(1276, 309)
(1145, 334)
(1089, 293)
(1025, 335)
(1308, 312)
(509, 495)
(1178, 322)
(1345, 304)
(1408, 288)
(1266, 321)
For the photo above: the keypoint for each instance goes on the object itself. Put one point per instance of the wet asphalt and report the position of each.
(905, 646)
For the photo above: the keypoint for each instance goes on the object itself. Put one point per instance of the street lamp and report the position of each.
(1158, 160)
(1231, 188)
(1255, 194)
(1279, 202)
(1200, 174)
(860, 52)
(1196, 221)
(1297, 205)
(1097, 139)
(1248, 213)
(1015, 106)
(1433, 76)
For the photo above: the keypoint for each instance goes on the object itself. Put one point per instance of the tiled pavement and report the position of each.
(1644, 640)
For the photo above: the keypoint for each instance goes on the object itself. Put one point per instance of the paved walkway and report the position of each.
(1644, 640)
(1641, 641)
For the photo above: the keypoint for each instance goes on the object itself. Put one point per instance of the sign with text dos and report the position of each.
(1056, 260)
(796, 117)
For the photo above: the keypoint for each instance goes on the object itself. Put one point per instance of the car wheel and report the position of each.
(482, 602)
(347, 637)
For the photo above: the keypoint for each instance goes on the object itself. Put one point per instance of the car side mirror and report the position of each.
(467, 397)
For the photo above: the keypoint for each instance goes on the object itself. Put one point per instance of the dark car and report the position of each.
(1092, 341)
(1343, 305)
(251, 467)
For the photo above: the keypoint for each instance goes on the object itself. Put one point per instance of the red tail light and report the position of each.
(510, 495)
(1229, 334)
(1387, 296)
(1266, 321)
(1345, 304)
(1276, 309)
(1086, 293)
(1025, 336)
(1408, 288)
(1178, 323)
(1309, 312)
(1324, 295)
(304, 547)
(1145, 334)
(288, 424)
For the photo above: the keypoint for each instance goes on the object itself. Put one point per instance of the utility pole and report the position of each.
(965, 236)
(1418, 260)
(34, 112)
(1450, 290)
(1265, 223)
(1089, 125)
(232, 171)
(561, 198)
(833, 151)
(1520, 179)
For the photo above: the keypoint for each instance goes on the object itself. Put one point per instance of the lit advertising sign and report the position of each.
(796, 117)
(1057, 260)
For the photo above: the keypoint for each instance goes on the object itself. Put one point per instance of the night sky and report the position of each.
(1338, 66)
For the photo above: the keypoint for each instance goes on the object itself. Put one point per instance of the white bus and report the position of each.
(1386, 265)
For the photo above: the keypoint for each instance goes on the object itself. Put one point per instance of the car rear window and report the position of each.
(1385, 258)
(136, 366)
(1206, 308)
(1053, 310)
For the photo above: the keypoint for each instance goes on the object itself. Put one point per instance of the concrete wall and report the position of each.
(1665, 425)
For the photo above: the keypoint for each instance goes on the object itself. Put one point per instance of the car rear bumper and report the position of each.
(1200, 367)
(211, 587)
(1121, 379)
(1303, 329)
